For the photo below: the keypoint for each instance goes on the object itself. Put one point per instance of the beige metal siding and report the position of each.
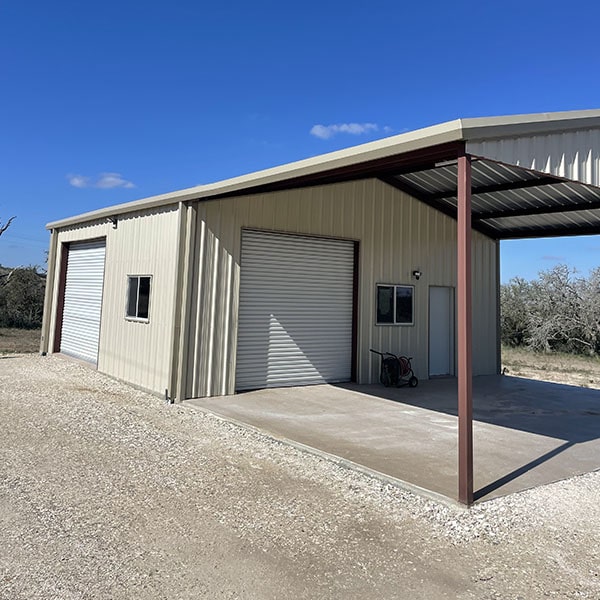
(574, 154)
(397, 234)
(141, 244)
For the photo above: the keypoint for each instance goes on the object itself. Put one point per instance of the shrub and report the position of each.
(22, 298)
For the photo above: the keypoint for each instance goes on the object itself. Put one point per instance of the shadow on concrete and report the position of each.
(563, 412)
(495, 485)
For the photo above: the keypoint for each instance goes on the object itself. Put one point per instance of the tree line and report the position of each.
(21, 297)
(21, 294)
(559, 311)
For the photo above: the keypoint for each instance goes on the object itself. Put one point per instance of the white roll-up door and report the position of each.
(295, 313)
(82, 310)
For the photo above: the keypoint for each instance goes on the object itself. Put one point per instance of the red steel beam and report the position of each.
(465, 334)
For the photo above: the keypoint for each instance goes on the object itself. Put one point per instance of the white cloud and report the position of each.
(112, 180)
(103, 181)
(325, 132)
(78, 181)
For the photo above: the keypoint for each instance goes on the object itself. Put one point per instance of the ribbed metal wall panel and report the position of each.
(141, 244)
(82, 309)
(396, 235)
(295, 317)
(574, 154)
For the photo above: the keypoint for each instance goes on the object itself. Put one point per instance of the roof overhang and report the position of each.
(509, 200)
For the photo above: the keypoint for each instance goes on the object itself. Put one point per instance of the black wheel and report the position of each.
(385, 378)
(413, 382)
(389, 372)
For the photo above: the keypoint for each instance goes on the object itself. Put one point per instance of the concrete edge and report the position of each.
(337, 460)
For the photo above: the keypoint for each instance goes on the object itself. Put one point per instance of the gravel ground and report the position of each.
(19, 340)
(106, 492)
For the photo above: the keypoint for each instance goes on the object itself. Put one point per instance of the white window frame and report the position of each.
(395, 286)
(129, 317)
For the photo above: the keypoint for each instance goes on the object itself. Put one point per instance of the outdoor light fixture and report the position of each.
(417, 274)
(112, 220)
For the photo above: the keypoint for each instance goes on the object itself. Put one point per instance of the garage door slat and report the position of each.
(80, 331)
(295, 315)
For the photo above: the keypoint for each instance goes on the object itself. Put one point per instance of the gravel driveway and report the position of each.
(106, 492)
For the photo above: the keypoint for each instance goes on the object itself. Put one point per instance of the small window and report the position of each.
(138, 297)
(395, 304)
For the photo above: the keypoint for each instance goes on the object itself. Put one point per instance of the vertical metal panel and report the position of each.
(49, 293)
(295, 317)
(180, 295)
(574, 154)
(186, 300)
(396, 233)
(213, 327)
(82, 308)
(141, 244)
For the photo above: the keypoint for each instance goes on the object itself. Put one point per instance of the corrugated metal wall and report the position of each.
(142, 244)
(397, 234)
(574, 154)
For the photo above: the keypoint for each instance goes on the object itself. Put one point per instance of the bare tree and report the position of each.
(514, 320)
(558, 311)
(6, 225)
(22, 298)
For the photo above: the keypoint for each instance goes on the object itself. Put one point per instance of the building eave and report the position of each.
(373, 159)
(398, 144)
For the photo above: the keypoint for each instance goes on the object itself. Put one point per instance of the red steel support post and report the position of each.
(465, 333)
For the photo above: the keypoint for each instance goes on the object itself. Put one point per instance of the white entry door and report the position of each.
(441, 331)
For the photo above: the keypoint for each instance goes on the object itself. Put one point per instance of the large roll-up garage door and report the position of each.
(295, 314)
(80, 331)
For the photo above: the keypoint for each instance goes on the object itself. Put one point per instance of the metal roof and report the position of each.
(529, 198)
(509, 201)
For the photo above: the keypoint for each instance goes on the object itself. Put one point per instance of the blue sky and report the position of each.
(109, 102)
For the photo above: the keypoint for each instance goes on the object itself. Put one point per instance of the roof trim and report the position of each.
(459, 130)
(484, 128)
(379, 149)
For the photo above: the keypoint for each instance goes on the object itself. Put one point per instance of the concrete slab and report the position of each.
(526, 433)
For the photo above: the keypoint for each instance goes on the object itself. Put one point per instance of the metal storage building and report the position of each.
(288, 276)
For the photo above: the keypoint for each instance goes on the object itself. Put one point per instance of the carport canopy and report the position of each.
(526, 176)
(529, 176)
(520, 176)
